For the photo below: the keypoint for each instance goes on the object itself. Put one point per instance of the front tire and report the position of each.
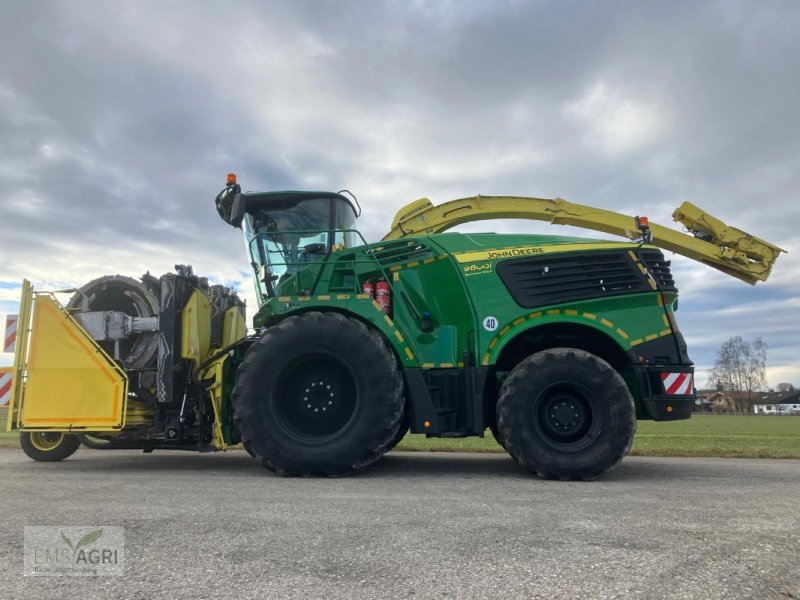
(318, 394)
(567, 414)
(48, 446)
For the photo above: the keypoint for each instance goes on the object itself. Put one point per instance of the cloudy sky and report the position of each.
(119, 121)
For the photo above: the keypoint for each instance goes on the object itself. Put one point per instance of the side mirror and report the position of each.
(237, 210)
(230, 205)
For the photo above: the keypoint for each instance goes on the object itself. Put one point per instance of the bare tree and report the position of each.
(784, 387)
(740, 368)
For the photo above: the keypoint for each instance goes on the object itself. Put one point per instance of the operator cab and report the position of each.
(286, 232)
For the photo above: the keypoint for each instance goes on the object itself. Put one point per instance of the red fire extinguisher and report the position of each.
(383, 296)
(368, 288)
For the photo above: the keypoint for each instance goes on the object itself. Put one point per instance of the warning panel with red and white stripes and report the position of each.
(5, 388)
(10, 337)
(678, 384)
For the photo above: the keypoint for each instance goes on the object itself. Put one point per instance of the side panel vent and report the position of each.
(659, 268)
(561, 278)
(400, 251)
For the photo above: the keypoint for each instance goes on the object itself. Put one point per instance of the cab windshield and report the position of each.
(285, 239)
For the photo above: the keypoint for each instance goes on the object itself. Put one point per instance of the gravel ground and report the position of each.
(415, 525)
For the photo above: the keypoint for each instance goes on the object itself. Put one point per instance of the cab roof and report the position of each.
(290, 198)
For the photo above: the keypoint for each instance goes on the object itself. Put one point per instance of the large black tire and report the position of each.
(249, 450)
(498, 437)
(48, 446)
(318, 394)
(402, 431)
(567, 414)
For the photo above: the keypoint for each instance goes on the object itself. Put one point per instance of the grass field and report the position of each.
(702, 435)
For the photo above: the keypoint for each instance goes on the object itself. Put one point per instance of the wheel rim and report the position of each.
(316, 397)
(566, 417)
(47, 440)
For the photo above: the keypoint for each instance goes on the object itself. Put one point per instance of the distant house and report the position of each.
(715, 401)
(759, 403)
(777, 403)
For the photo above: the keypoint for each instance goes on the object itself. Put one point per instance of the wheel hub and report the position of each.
(564, 416)
(46, 440)
(319, 397)
(316, 397)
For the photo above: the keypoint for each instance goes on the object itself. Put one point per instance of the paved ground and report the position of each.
(415, 525)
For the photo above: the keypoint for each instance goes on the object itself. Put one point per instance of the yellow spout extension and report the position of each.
(710, 241)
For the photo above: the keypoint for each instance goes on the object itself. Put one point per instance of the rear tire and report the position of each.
(318, 394)
(402, 431)
(48, 446)
(567, 414)
(498, 437)
(249, 449)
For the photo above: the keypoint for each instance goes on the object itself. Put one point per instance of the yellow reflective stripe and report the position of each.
(622, 333)
(398, 335)
(409, 354)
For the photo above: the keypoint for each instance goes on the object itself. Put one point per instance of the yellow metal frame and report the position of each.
(20, 353)
(67, 348)
(215, 389)
(710, 241)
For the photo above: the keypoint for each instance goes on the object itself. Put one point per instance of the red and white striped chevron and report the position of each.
(5, 388)
(10, 337)
(678, 384)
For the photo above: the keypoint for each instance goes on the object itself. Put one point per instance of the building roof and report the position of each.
(792, 397)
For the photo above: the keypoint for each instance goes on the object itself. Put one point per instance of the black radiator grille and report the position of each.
(561, 278)
(659, 268)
